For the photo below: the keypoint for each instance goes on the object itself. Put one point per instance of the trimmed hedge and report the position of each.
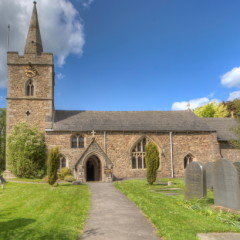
(53, 165)
(152, 162)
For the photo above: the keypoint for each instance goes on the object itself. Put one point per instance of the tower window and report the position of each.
(77, 141)
(29, 88)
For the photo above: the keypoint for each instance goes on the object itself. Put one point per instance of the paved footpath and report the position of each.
(113, 216)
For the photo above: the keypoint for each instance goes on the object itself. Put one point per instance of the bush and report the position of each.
(64, 172)
(69, 178)
(152, 162)
(26, 151)
(53, 165)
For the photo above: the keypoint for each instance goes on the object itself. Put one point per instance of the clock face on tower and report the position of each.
(30, 72)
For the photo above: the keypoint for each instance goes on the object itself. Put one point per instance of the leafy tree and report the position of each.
(2, 138)
(26, 151)
(212, 109)
(53, 165)
(236, 131)
(233, 107)
(152, 162)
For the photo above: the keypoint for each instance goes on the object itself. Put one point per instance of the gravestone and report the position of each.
(237, 166)
(226, 184)
(2, 181)
(195, 181)
(209, 174)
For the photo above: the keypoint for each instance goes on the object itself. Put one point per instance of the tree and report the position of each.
(233, 107)
(53, 165)
(26, 151)
(212, 109)
(2, 138)
(152, 162)
(236, 131)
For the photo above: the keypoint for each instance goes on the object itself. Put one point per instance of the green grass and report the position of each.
(39, 211)
(175, 218)
(37, 180)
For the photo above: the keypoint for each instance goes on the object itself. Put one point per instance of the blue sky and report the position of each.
(148, 54)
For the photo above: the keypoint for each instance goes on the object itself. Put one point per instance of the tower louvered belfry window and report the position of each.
(138, 154)
(29, 88)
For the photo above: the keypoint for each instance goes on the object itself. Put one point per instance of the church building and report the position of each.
(107, 145)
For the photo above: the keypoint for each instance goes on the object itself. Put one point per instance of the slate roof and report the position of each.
(140, 121)
(223, 126)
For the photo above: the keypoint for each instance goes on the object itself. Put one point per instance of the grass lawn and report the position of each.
(39, 211)
(173, 217)
(37, 180)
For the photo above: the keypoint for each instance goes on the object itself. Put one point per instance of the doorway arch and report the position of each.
(93, 169)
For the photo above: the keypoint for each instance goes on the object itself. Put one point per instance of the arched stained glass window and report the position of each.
(138, 154)
(188, 159)
(63, 162)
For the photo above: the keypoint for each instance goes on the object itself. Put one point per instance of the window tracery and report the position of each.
(138, 154)
(188, 159)
(29, 88)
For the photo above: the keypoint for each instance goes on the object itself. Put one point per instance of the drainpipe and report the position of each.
(171, 154)
(105, 145)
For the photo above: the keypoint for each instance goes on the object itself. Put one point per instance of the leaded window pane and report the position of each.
(74, 142)
(63, 162)
(139, 162)
(134, 163)
(81, 142)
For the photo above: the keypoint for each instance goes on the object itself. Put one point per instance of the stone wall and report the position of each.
(229, 152)
(117, 146)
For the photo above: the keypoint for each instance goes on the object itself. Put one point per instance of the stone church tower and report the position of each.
(31, 82)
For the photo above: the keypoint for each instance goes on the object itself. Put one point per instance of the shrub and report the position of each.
(152, 162)
(26, 151)
(53, 165)
(69, 178)
(64, 172)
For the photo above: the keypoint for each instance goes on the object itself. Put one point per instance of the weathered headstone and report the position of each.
(195, 181)
(226, 184)
(2, 181)
(209, 174)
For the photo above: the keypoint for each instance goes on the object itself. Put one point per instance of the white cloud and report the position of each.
(194, 103)
(60, 76)
(234, 95)
(87, 3)
(60, 24)
(231, 78)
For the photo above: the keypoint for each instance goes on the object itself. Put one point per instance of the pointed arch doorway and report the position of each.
(93, 169)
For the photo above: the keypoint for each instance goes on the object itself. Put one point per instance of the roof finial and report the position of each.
(35, 2)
